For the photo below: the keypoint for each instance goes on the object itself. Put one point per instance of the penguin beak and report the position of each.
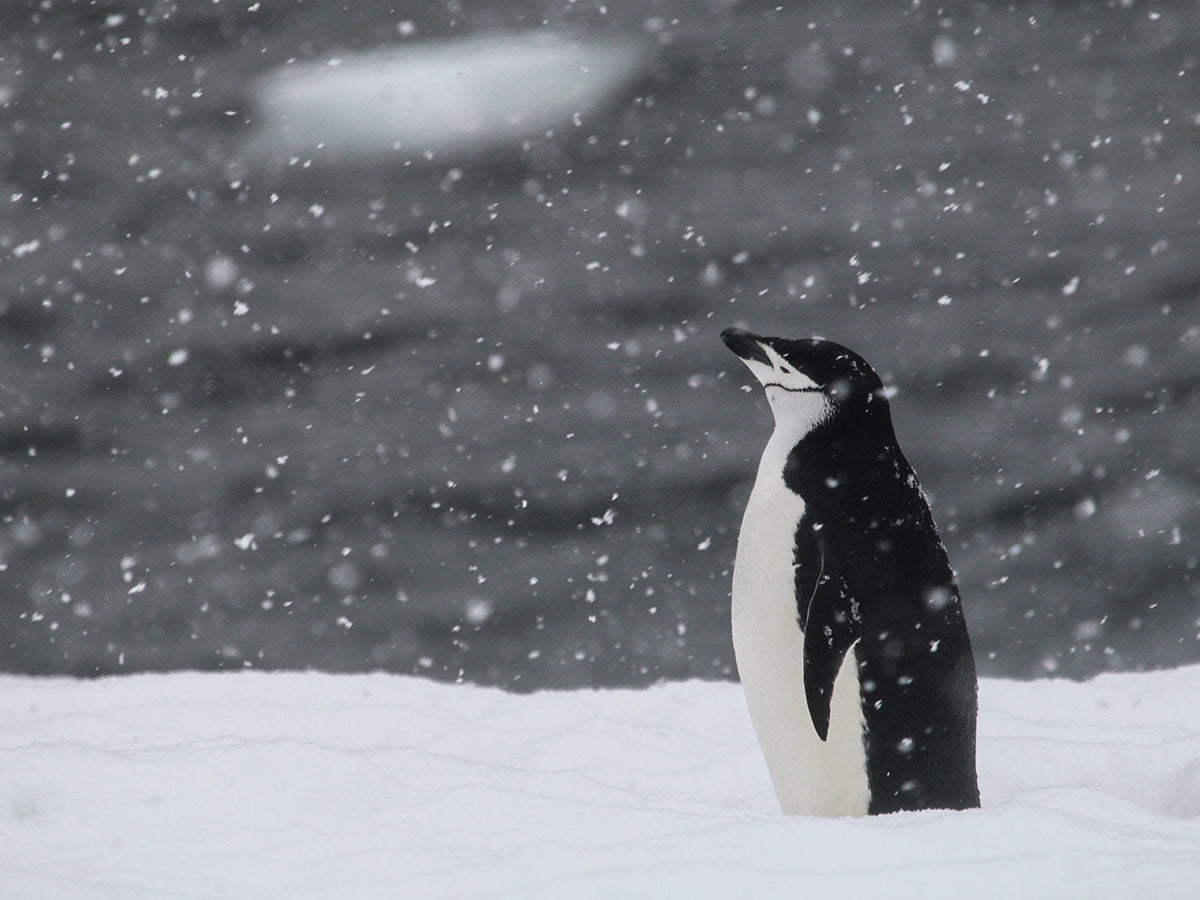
(746, 345)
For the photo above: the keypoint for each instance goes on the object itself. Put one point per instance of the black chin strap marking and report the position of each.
(806, 390)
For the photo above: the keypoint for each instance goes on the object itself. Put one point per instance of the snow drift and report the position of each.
(375, 786)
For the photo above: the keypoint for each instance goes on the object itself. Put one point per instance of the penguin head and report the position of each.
(809, 381)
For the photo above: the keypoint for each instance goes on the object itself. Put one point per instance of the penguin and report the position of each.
(848, 627)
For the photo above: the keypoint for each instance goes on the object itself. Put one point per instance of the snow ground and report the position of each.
(377, 786)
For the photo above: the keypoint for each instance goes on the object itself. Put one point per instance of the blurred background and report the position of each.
(384, 335)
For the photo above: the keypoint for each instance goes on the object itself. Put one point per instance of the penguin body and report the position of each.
(848, 628)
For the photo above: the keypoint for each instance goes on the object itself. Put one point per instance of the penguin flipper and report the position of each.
(830, 629)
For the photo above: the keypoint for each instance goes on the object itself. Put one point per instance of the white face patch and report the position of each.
(780, 372)
(798, 403)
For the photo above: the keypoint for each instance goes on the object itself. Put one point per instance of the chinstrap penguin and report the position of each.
(838, 552)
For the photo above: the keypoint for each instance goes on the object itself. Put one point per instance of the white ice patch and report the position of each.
(440, 99)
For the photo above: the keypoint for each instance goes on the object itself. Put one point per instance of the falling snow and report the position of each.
(391, 412)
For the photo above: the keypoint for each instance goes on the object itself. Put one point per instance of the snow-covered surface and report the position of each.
(307, 785)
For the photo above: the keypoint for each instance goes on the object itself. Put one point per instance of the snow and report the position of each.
(305, 785)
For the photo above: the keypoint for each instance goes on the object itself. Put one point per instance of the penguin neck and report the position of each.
(776, 456)
(844, 449)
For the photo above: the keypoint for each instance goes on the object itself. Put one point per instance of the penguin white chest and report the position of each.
(811, 776)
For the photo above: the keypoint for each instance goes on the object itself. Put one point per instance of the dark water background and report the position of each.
(471, 419)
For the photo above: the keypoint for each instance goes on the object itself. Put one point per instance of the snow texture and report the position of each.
(378, 786)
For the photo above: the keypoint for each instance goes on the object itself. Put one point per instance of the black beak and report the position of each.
(745, 345)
